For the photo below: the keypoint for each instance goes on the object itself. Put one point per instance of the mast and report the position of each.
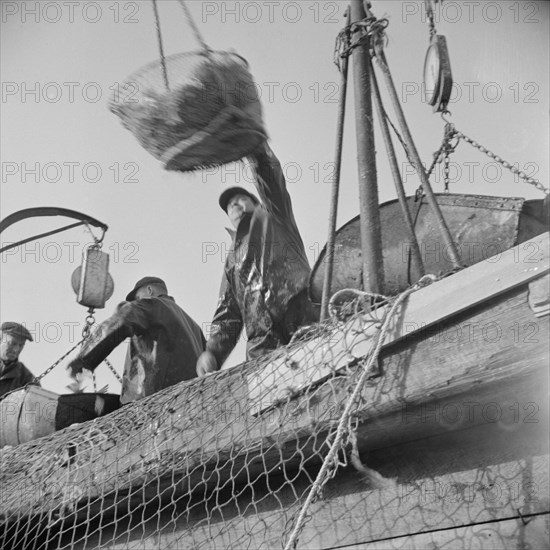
(371, 241)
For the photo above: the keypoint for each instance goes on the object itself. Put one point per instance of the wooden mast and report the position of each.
(371, 241)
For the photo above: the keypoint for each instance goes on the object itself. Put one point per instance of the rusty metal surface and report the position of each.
(481, 227)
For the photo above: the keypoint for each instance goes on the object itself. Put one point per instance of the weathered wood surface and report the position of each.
(444, 483)
(449, 297)
(233, 443)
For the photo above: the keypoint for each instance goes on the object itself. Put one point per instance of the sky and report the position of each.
(62, 62)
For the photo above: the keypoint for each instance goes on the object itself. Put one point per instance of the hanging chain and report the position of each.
(85, 335)
(447, 158)
(49, 369)
(112, 369)
(86, 331)
(431, 19)
(90, 321)
(443, 153)
(449, 134)
(515, 170)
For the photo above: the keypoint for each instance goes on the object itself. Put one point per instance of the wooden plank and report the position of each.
(489, 493)
(320, 358)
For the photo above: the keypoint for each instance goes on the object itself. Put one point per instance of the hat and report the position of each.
(142, 282)
(226, 196)
(15, 329)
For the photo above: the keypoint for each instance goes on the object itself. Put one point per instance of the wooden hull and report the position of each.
(457, 419)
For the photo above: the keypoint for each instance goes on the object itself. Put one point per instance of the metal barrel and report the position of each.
(27, 414)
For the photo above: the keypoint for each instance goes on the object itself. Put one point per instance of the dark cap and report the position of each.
(229, 193)
(15, 329)
(142, 282)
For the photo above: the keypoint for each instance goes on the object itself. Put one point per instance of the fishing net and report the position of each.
(204, 110)
(229, 461)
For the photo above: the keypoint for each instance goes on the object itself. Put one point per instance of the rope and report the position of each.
(194, 28)
(322, 476)
(161, 49)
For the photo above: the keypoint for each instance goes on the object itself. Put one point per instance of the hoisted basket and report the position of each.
(203, 111)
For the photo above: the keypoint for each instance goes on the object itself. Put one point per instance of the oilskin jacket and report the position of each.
(14, 375)
(165, 344)
(264, 285)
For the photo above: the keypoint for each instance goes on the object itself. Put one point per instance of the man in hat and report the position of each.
(264, 284)
(164, 341)
(13, 373)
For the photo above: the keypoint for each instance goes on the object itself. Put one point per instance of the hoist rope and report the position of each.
(194, 27)
(161, 48)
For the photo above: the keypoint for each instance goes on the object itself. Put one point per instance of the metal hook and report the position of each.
(446, 113)
(100, 240)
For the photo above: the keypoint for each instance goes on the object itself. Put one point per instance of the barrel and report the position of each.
(33, 412)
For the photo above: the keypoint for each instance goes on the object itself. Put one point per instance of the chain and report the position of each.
(112, 369)
(86, 331)
(522, 175)
(49, 369)
(370, 29)
(431, 21)
(446, 160)
(444, 153)
(90, 321)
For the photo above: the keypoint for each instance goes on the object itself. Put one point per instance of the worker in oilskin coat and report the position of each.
(164, 341)
(13, 374)
(264, 284)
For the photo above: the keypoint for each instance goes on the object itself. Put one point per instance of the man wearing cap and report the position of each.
(164, 341)
(13, 374)
(264, 284)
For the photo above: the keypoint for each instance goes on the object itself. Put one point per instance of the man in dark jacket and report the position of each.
(13, 373)
(164, 341)
(264, 285)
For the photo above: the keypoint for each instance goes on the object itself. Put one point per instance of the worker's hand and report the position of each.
(79, 371)
(76, 366)
(206, 363)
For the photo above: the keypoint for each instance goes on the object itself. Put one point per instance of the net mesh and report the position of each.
(205, 113)
(223, 462)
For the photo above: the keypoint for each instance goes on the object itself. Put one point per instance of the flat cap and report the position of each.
(15, 329)
(142, 282)
(230, 192)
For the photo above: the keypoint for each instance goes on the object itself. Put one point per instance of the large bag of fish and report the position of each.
(198, 110)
